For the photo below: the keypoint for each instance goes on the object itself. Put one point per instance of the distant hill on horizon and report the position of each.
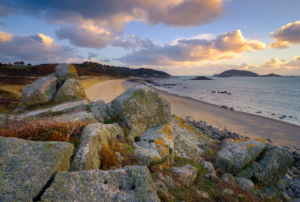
(141, 72)
(244, 73)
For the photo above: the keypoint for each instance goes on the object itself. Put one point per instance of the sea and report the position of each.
(273, 97)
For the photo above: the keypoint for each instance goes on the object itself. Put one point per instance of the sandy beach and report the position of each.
(242, 123)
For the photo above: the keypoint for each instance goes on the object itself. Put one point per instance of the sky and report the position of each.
(180, 37)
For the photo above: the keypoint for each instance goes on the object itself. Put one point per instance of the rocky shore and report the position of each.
(132, 149)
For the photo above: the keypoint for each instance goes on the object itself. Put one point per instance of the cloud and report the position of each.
(286, 36)
(223, 47)
(84, 36)
(5, 36)
(35, 48)
(92, 55)
(185, 13)
(115, 13)
(133, 43)
(106, 60)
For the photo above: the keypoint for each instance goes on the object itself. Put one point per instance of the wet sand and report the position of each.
(242, 123)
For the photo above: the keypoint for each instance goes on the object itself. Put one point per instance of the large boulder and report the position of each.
(127, 184)
(93, 138)
(189, 142)
(236, 154)
(65, 71)
(27, 166)
(99, 110)
(274, 166)
(185, 175)
(81, 118)
(156, 145)
(40, 91)
(139, 109)
(71, 90)
(249, 172)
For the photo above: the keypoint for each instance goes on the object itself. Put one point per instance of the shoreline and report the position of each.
(245, 124)
(271, 119)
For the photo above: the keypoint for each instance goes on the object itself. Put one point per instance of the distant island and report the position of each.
(234, 73)
(201, 78)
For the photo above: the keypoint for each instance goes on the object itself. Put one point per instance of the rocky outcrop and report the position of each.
(156, 145)
(65, 71)
(69, 91)
(99, 110)
(274, 165)
(236, 154)
(93, 138)
(40, 91)
(127, 184)
(185, 174)
(27, 166)
(83, 118)
(140, 108)
(188, 140)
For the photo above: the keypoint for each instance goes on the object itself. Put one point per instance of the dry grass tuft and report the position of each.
(14, 90)
(108, 157)
(47, 131)
(122, 145)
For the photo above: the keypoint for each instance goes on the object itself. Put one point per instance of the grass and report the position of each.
(15, 91)
(88, 81)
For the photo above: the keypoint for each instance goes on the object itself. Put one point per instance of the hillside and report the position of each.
(141, 72)
(271, 75)
(234, 72)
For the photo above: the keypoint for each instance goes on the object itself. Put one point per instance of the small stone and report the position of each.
(226, 177)
(227, 191)
(185, 174)
(286, 196)
(202, 194)
(169, 182)
(295, 171)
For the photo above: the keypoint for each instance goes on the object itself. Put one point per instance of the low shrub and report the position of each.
(108, 157)
(45, 130)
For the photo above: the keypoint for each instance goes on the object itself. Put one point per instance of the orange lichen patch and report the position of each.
(160, 143)
(165, 130)
(98, 102)
(72, 69)
(198, 135)
(169, 137)
(156, 158)
(165, 151)
(261, 140)
(239, 140)
(191, 129)
(192, 154)
(250, 145)
(182, 125)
